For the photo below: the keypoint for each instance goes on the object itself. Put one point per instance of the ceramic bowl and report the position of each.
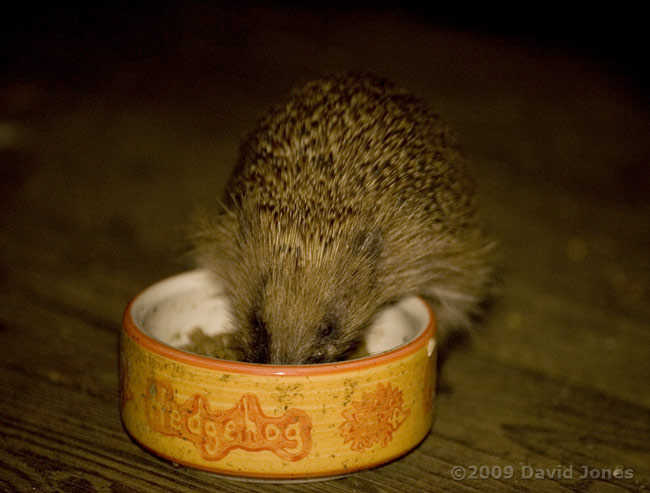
(267, 422)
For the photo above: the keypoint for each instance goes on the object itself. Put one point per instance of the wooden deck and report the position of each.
(107, 149)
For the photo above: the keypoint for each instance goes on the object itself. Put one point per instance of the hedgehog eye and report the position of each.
(328, 328)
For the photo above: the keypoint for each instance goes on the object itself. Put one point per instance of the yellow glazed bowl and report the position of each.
(267, 422)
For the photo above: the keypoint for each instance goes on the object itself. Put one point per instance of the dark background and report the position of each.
(56, 42)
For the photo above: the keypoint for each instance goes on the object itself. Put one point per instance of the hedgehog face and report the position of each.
(303, 326)
(307, 303)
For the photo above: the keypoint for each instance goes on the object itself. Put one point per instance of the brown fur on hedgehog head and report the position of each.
(296, 297)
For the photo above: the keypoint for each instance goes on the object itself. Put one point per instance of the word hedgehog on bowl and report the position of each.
(262, 422)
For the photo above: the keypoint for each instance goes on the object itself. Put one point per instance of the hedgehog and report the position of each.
(347, 197)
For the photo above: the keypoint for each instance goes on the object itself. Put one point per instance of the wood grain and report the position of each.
(100, 176)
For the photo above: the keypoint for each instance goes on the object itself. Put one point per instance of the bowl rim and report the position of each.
(162, 349)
